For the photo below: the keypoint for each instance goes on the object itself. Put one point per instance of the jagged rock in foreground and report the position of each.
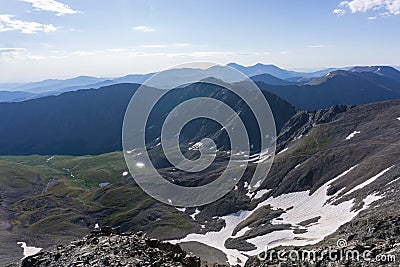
(108, 247)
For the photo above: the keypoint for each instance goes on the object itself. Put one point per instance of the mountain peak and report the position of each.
(326, 77)
(387, 71)
(260, 68)
(372, 68)
(234, 65)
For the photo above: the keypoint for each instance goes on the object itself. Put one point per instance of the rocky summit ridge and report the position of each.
(109, 247)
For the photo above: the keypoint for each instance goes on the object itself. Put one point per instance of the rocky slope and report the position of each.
(335, 176)
(109, 247)
(341, 172)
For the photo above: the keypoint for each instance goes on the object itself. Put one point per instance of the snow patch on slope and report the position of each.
(261, 193)
(181, 209)
(283, 151)
(352, 135)
(217, 239)
(196, 146)
(304, 207)
(29, 251)
(242, 231)
(370, 180)
(395, 180)
(196, 212)
(250, 194)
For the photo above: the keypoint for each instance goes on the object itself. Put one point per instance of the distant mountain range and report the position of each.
(57, 86)
(272, 80)
(89, 121)
(269, 69)
(21, 92)
(283, 74)
(52, 84)
(17, 96)
(358, 85)
(306, 90)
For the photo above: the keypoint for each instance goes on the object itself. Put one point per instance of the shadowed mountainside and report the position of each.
(352, 87)
(90, 121)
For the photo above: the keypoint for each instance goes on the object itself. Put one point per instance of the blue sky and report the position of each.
(59, 39)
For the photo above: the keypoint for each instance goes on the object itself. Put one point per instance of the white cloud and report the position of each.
(86, 52)
(392, 7)
(142, 28)
(339, 12)
(116, 50)
(12, 55)
(316, 46)
(253, 53)
(153, 46)
(99, 52)
(51, 5)
(8, 23)
(372, 18)
(164, 45)
(11, 49)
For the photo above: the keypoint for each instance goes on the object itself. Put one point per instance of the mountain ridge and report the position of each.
(267, 73)
(338, 88)
(90, 121)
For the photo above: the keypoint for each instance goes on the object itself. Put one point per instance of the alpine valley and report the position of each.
(335, 176)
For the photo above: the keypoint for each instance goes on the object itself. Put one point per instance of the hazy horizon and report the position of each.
(61, 77)
(69, 38)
